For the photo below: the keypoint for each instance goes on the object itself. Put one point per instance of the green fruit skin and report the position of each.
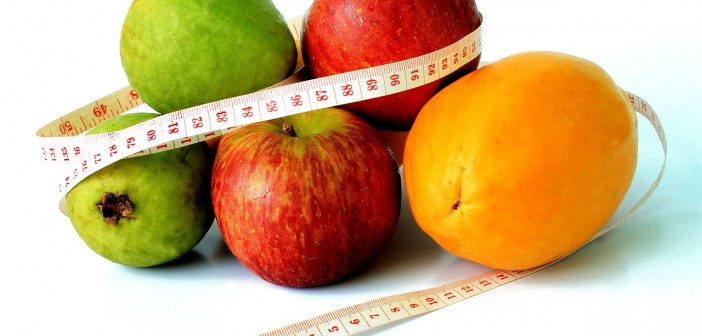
(171, 198)
(179, 54)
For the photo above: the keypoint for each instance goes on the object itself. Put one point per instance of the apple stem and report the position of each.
(289, 129)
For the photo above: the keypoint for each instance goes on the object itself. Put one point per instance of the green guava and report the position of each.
(146, 210)
(178, 54)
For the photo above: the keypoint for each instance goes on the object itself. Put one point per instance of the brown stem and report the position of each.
(289, 129)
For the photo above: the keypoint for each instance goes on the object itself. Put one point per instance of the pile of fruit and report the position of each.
(512, 165)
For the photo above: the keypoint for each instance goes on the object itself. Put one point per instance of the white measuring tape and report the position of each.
(79, 155)
(374, 313)
(63, 145)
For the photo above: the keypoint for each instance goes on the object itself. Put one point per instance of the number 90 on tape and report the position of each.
(62, 141)
(63, 144)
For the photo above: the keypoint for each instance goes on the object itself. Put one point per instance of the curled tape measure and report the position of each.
(79, 155)
(365, 316)
(64, 146)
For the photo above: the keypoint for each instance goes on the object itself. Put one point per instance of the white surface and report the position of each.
(643, 278)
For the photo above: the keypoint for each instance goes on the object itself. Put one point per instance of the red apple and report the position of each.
(344, 35)
(308, 199)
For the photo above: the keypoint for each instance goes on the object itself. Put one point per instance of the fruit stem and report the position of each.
(289, 129)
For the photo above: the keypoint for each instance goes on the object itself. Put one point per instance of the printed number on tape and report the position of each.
(63, 145)
(77, 155)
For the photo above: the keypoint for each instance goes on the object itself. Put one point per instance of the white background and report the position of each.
(642, 278)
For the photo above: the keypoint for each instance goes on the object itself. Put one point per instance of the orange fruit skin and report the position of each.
(521, 162)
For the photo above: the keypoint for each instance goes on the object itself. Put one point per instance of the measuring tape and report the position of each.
(374, 313)
(63, 145)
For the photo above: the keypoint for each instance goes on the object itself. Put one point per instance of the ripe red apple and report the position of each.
(308, 199)
(344, 35)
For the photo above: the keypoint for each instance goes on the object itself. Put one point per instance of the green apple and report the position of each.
(146, 210)
(178, 54)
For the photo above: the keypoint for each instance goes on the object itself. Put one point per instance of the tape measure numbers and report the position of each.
(378, 312)
(374, 313)
(81, 155)
(63, 145)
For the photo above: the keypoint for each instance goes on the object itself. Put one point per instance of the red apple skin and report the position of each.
(308, 210)
(345, 35)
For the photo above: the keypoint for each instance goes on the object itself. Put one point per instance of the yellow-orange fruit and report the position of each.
(519, 163)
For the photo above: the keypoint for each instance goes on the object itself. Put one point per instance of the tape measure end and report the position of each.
(63, 206)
